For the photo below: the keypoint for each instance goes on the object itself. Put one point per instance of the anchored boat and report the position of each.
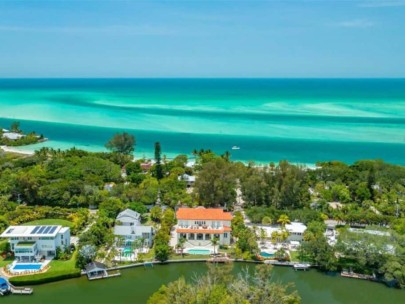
(303, 266)
(5, 288)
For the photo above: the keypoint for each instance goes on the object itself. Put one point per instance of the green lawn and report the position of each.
(56, 266)
(189, 257)
(148, 256)
(59, 270)
(294, 256)
(44, 222)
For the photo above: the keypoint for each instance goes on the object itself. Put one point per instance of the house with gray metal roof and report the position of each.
(128, 226)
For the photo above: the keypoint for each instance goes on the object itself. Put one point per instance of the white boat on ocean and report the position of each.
(235, 148)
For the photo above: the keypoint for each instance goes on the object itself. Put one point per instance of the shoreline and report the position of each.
(28, 152)
(16, 150)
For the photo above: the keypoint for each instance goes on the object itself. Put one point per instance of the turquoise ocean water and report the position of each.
(302, 120)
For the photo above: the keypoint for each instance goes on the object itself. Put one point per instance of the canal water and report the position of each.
(137, 284)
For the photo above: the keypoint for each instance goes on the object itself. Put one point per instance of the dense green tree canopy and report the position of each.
(122, 143)
(216, 183)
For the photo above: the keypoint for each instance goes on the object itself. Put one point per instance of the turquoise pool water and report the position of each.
(267, 255)
(199, 251)
(27, 267)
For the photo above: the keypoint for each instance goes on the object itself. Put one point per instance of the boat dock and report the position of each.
(353, 275)
(21, 290)
(104, 276)
(16, 290)
(98, 271)
(219, 260)
(301, 266)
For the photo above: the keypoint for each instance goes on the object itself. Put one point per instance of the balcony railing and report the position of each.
(200, 227)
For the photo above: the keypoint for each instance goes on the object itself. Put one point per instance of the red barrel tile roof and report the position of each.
(201, 213)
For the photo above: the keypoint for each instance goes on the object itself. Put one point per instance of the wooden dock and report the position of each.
(104, 276)
(302, 266)
(219, 260)
(21, 290)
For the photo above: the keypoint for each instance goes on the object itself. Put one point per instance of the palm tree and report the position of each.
(280, 254)
(274, 237)
(284, 235)
(180, 244)
(283, 220)
(263, 235)
(214, 242)
(254, 229)
(226, 156)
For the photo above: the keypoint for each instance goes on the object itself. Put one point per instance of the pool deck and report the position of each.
(9, 272)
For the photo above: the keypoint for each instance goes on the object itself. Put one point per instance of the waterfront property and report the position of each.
(199, 225)
(128, 226)
(33, 243)
(295, 232)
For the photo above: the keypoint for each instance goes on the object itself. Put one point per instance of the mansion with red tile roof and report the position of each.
(200, 225)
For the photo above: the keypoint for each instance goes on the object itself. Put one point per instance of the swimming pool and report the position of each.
(199, 251)
(30, 266)
(266, 254)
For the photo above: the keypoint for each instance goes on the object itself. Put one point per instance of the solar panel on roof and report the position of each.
(53, 229)
(41, 229)
(47, 229)
(35, 229)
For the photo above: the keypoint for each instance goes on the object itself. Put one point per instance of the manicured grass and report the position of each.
(148, 256)
(294, 256)
(59, 270)
(56, 266)
(189, 257)
(44, 222)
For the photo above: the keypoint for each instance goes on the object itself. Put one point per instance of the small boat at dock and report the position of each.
(302, 266)
(5, 288)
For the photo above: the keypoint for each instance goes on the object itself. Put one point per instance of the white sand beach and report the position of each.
(16, 150)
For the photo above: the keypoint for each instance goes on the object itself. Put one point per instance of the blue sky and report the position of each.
(206, 38)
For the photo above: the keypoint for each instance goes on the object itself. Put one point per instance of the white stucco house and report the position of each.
(128, 225)
(12, 135)
(30, 243)
(188, 179)
(296, 231)
(199, 225)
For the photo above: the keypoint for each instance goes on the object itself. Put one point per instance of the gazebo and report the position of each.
(96, 270)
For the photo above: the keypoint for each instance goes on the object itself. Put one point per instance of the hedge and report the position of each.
(45, 277)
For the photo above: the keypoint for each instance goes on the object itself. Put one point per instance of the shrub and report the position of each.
(45, 277)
